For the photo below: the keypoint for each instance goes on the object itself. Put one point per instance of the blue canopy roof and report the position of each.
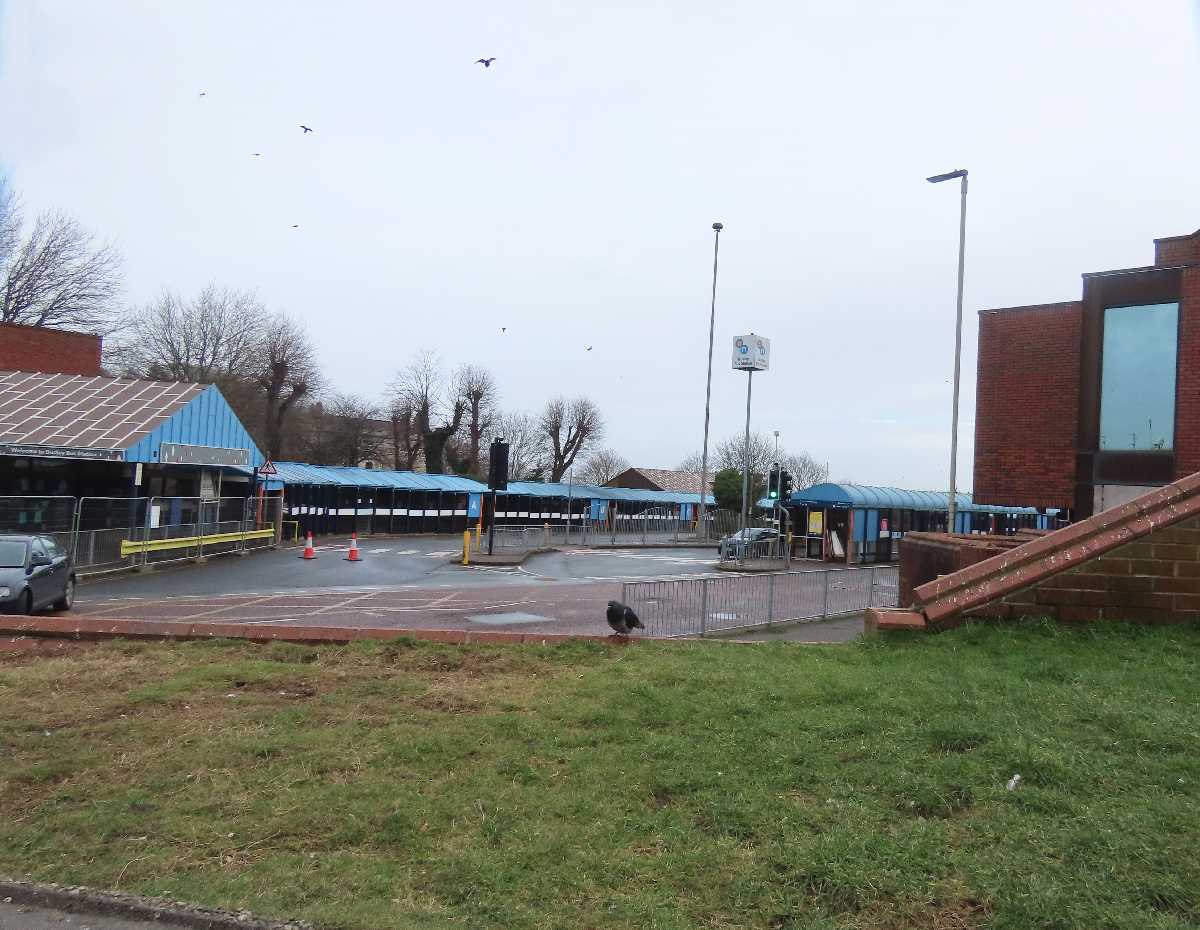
(300, 473)
(864, 495)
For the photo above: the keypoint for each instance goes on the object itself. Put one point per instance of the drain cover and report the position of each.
(504, 619)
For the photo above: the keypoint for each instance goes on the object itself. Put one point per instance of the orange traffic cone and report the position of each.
(309, 552)
(352, 555)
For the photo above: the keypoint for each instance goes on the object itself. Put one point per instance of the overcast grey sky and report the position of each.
(567, 192)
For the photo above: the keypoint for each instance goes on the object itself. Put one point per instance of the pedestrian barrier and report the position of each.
(104, 533)
(131, 547)
(697, 607)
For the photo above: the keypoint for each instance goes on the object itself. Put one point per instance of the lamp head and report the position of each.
(948, 176)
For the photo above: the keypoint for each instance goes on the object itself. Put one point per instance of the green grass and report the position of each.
(662, 786)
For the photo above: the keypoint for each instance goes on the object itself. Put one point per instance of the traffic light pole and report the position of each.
(492, 525)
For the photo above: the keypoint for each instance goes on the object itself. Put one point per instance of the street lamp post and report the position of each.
(961, 173)
(712, 320)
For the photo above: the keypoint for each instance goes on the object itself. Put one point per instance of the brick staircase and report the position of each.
(1138, 562)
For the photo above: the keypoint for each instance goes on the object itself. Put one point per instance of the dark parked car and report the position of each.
(34, 574)
(731, 547)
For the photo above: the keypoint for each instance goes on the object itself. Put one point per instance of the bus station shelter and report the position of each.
(328, 499)
(861, 523)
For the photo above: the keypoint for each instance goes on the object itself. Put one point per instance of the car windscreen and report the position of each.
(12, 553)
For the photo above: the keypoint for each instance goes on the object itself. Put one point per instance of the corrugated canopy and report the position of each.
(297, 473)
(865, 495)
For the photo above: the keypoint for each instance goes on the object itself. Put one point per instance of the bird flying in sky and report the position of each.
(305, 128)
(295, 226)
(486, 62)
(589, 348)
(203, 93)
(503, 329)
(256, 154)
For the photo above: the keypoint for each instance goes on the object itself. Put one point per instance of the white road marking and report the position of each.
(257, 622)
(378, 551)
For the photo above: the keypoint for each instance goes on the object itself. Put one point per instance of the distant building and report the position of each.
(1084, 404)
(659, 479)
(52, 351)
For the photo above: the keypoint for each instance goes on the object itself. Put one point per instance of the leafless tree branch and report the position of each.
(57, 275)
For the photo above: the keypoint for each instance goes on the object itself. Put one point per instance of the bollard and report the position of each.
(466, 547)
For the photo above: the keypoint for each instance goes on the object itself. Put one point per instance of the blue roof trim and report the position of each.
(206, 420)
(300, 473)
(863, 495)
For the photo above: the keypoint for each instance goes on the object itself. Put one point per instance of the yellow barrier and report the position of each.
(130, 547)
(295, 524)
(466, 547)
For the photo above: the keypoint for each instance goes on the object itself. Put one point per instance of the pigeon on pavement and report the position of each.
(621, 618)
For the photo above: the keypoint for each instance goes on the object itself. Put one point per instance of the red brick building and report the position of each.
(51, 351)
(1085, 404)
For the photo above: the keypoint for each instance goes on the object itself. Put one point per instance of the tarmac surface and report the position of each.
(411, 584)
(15, 916)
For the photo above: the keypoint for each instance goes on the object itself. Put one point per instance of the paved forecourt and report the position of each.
(399, 585)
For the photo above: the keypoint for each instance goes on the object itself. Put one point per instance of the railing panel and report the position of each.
(696, 607)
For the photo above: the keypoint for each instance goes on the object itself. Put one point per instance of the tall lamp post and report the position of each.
(712, 320)
(961, 173)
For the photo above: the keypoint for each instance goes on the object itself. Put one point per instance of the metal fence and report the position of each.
(104, 533)
(696, 607)
(513, 539)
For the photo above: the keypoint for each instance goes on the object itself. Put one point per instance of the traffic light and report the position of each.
(773, 483)
(785, 485)
(498, 465)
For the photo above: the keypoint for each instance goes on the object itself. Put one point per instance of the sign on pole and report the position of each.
(267, 468)
(751, 353)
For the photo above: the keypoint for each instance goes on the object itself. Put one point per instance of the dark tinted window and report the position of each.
(12, 553)
(38, 548)
(51, 547)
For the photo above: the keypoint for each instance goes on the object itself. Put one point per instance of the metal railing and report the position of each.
(696, 607)
(104, 533)
(513, 540)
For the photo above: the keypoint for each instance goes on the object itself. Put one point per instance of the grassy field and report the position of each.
(663, 786)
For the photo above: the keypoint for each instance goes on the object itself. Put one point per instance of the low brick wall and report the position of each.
(1155, 579)
(926, 556)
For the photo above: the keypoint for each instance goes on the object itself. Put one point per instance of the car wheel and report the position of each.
(68, 599)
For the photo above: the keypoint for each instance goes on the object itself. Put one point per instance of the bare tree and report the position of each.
(804, 469)
(10, 223)
(520, 431)
(602, 466)
(568, 428)
(406, 437)
(210, 339)
(57, 275)
(344, 431)
(477, 389)
(731, 453)
(438, 410)
(287, 372)
(692, 464)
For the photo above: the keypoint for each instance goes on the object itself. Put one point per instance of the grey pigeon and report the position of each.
(486, 62)
(622, 618)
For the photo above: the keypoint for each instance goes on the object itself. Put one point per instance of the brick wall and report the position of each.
(1187, 390)
(37, 348)
(1027, 406)
(1153, 580)
(1177, 250)
(925, 556)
